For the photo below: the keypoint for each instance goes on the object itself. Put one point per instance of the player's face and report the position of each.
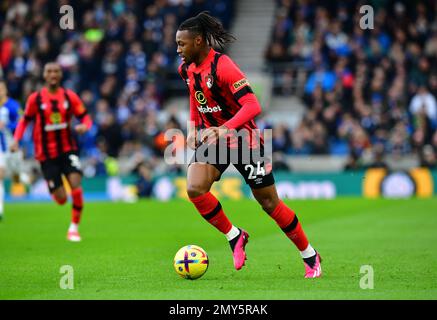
(52, 74)
(188, 46)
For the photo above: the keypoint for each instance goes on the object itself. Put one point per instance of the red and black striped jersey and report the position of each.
(52, 114)
(215, 87)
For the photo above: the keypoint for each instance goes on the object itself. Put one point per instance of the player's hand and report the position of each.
(212, 134)
(191, 139)
(81, 128)
(14, 146)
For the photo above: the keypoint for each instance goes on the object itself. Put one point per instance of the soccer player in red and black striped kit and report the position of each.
(52, 109)
(221, 102)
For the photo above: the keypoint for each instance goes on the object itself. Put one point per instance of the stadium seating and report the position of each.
(121, 59)
(361, 87)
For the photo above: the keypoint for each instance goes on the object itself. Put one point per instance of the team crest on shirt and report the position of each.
(209, 81)
(66, 105)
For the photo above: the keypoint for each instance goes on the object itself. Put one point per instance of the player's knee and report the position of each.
(60, 199)
(75, 186)
(268, 204)
(74, 181)
(196, 190)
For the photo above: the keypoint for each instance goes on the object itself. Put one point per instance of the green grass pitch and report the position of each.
(127, 251)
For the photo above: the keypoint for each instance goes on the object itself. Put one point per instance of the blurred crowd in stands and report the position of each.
(368, 93)
(120, 58)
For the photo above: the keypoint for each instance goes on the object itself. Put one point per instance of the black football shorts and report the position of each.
(251, 163)
(53, 169)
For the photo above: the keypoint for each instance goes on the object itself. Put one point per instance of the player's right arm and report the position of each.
(29, 115)
(194, 124)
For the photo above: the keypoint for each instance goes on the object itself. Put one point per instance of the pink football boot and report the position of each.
(316, 270)
(238, 251)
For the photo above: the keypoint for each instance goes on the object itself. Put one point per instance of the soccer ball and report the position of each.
(191, 262)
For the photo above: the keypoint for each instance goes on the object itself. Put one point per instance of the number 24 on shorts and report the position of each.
(259, 170)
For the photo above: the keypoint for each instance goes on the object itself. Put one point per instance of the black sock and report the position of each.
(233, 242)
(311, 261)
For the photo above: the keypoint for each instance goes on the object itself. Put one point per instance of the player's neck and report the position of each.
(52, 89)
(3, 100)
(202, 56)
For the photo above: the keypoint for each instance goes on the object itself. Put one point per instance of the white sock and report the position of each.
(2, 196)
(73, 227)
(233, 233)
(308, 252)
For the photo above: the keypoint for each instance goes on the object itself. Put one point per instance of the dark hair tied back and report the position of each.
(209, 27)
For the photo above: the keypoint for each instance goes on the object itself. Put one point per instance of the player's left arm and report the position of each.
(80, 112)
(231, 75)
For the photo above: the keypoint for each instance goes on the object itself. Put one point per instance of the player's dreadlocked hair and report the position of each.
(209, 27)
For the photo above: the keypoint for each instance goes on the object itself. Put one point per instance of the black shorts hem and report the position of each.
(220, 168)
(268, 180)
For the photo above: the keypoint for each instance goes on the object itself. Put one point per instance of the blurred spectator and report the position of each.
(110, 132)
(281, 139)
(378, 157)
(352, 162)
(145, 181)
(320, 77)
(428, 158)
(424, 101)
(280, 162)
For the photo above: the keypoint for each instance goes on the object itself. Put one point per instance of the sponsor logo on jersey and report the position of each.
(240, 83)
(56, 126)
(200, 97)
(208, 109)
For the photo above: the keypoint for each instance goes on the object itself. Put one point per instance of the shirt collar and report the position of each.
(45, 90)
